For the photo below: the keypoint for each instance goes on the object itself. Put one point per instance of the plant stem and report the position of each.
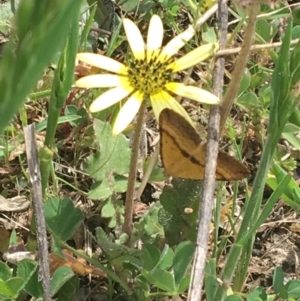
(206, 203)
(148, 172)
(127, 227)
(240, 65)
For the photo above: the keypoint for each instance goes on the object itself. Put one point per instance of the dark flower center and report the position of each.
(149, 77)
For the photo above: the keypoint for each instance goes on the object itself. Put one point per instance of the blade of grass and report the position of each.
(41, 30)
(63, 78)
(282, 105)
(248, 240)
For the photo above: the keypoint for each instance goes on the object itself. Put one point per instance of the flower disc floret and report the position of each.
(149, 77)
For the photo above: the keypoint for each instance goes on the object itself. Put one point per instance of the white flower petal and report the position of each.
(109, 98)
(162, 100)
(127, 113)
(103, 62)
(99, 81)
(135, 39)
(193, 93)
(176, 43)
(155, 36)
(194, 57)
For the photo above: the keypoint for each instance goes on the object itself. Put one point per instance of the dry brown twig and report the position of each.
(240, 64)
(216, 124)
(206, 199)
(236, 50)
(37, 199)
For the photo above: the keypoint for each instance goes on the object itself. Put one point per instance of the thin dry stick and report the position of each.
(207, 15)
(267, 15)
(206, 202)
(35, 178)
(230, 51)
(240, 64)
(130, 195)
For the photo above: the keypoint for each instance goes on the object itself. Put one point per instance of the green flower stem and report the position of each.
(127, 227)
(148, 172)
(62, 82)
(45, 157)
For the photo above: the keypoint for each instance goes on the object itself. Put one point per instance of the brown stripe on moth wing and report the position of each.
(184, 153)
(229, 168)
(180, 126)
(184, 156)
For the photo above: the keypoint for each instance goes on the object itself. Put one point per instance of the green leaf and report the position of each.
(111, 248)
(61, 85)
(296, 16)
(151, 256)
(291, 128)
(166, 258)
(296, 32)
(177, 224)
(263, 29)
(61, 276)
(152, 226)
(172, 224)
(100, 190)
(15, 284)
(68, 290)
(130, 5)
(29, 271)
(295, 117)
(157, 174)
(209, 36)
(278, 283)
(105, 188)
(258, 294)
(108, 209)
(293, 289)
(267, 209)
(4, 289)
(182, 257)
(61, 217)
(114, 155)
(233, 298)
(245, 82)
(26, 270)
(104, 15)
(62, 119)
(184, 284)
(120, 184)
(292, 139)
(162, 279)
(280, 85)
(248, 100)
(13, 238)
(295, 64)
(86, 29)
(291, 190)
(210, 279)
(5, 272)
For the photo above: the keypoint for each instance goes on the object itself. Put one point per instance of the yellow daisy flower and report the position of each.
(148, 75)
